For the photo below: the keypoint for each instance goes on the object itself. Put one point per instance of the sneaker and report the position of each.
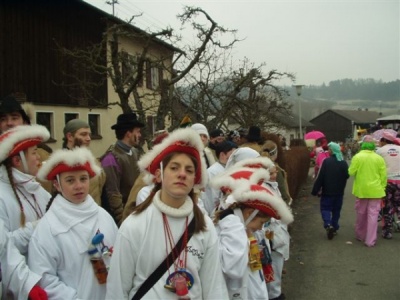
(387, 236)
(330, 232)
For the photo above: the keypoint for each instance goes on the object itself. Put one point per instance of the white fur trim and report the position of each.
(226, 180)
(74, 157)
(19, 134)
(186, 135)
(148, 178)
(264, 161)
(243, 193)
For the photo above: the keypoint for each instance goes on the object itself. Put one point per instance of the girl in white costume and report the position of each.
(22, 203)
(148, 235)
(60, 243)
(280, 243)
(251, 206)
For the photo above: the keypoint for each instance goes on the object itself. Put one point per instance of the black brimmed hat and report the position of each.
(127, 121)
(10, 105)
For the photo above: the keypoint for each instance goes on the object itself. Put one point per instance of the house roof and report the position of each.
(137, 29)
(357, 116)
(390, 118)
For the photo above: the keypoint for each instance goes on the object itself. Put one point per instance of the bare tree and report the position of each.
(127, 73)
(222, 94)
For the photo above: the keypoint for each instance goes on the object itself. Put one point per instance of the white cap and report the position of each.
(201, 129)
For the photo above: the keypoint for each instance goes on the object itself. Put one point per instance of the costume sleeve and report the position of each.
(22, 236)
(212, 279)
(383, 173)
(17, 276)
(112, 186)
(353, 166)
(122, 265)
(318, 183)
(233, 247)
(42, 261)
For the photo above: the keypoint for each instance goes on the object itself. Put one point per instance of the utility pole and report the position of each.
(298, 91)
(112, 2)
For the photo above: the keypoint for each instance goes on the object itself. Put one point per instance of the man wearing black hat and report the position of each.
(253, 138)
(120, 163)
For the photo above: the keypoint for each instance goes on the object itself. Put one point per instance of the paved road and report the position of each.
(342, 268)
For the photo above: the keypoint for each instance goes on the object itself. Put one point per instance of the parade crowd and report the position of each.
(201, 215)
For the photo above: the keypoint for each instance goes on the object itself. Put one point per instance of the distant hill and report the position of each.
(360, 94)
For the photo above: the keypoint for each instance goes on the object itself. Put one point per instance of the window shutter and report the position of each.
(148, 74)
(160, 76)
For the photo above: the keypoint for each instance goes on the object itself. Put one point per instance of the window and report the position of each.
(46, 119)
(153, 76)
(151, 124)
(94, 123)
(70, 116)
(129, 67)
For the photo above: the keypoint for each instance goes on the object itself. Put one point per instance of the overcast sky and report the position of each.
(317, 40)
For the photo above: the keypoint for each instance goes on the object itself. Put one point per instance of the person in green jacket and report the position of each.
(369, 171)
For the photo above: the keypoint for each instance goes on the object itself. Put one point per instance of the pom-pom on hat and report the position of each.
(182, 140)
(264, 200)
(64, 160)
(21, 138)
(186, 122)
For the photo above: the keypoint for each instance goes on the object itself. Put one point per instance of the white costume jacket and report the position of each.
(212, 195)
(59, 246)
(18, 280)
(141, 247)
(242, 282)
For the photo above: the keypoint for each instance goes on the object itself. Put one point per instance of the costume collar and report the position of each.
(183, 211)
(126, 148)
(25, 181)
(69, 214)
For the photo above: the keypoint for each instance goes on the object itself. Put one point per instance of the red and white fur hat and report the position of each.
(229, 180)
(64, 160)
(21, 138)
(262, 199)
(182, 140)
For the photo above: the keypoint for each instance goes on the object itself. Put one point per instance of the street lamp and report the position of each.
(298, 91)
(380, 103)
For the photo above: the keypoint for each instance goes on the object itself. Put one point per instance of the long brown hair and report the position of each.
(200, 223)
(8, 164)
